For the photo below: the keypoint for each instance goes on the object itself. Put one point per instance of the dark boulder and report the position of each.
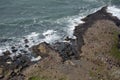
(26, 41)
(13, 49)
(6, 53)
(66, 50)
(26, 46)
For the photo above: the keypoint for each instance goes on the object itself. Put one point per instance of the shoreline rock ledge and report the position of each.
(101, 14)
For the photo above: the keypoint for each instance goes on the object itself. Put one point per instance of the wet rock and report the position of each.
(26, 46)
(26, 41)
(3, 60)
(66, 50)
(18, 64)
(6, 53)
(13, 49)
(21, 61)
(68, 39)
(5, 40)
(23, 51)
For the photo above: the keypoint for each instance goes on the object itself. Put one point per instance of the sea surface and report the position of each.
(44, 20)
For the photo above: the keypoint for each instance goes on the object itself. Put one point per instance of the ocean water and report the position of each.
(44, 20)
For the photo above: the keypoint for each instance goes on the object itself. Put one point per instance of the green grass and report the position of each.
(38, 78)
(114, 50)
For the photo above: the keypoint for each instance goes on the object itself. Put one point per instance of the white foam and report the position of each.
(1, 54)
(114, 10)
(73, 21)
(33, 39)
(20, 44)
(71, 26)
(50, 36)
(70, 22)
(32, 35)
(36, 59)
(48, 32)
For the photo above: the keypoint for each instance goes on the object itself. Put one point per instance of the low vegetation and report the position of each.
(115, 50)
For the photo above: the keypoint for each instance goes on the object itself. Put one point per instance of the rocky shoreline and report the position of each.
(91, 19)
(91, 56)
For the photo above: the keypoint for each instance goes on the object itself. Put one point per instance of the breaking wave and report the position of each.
(114, 10)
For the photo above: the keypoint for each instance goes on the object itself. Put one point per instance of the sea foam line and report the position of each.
(114, 10)
(50, 36)
(76, 20)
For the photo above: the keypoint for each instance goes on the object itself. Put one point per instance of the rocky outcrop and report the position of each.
(67, 50)
(10, 68)
(89, 21)
(97, 41)
(45, 50)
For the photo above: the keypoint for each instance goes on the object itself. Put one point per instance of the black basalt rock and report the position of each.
(67, 51)
(6, 53)
(13, 49)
